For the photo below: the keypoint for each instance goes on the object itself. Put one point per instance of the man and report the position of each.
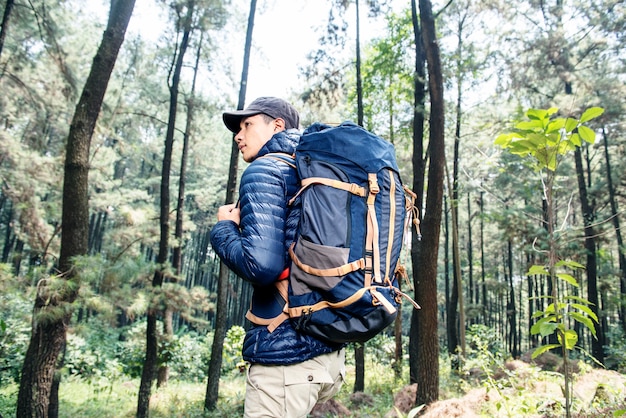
(290, 371)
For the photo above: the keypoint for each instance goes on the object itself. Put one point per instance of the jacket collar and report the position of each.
(284, 141)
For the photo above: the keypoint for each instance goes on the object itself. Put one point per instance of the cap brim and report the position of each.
(232, 120)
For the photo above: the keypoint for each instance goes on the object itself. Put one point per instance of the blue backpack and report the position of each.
(343, 278)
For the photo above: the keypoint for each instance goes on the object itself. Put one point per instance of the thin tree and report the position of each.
(215, 363)
(177, 250)
(52, 310)
(618, 233)
(591, 264)
(359, 348)
(425, 270)
(4, 26)
(150, 364)
(419, 163)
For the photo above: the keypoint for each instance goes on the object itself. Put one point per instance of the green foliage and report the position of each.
(547, 138)
(190, 356)
(481, 341)
(16, 311)
(233, 346)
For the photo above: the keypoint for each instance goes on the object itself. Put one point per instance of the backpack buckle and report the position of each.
(373, 183)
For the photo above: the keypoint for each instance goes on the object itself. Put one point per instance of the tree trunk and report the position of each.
(471, 290)
(511, 310)
(48, 335)
(359, 349)
(419, 163)
(591, 264)
(483, 284)
(428, 343)
(618, 231)
(215, 362)
(397, 332)
(359, 367)
(152, 343)
(8, 7)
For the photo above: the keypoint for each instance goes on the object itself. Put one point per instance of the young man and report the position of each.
(290, 371)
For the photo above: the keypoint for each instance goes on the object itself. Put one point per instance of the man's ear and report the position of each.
(279, 124)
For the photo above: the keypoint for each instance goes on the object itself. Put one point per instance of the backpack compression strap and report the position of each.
(372, 250)
(348, 187)
(273, 323)
(334, 271)
(377, 299)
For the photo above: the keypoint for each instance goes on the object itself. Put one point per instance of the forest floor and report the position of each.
(518, 389)
(596, 393)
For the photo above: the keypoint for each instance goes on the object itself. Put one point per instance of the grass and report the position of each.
(523, 390)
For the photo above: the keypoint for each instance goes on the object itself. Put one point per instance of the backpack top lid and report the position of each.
(346, 138)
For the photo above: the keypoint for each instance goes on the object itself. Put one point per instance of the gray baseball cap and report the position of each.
(272, 106)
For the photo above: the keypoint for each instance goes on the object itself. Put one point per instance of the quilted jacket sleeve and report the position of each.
(255, 250)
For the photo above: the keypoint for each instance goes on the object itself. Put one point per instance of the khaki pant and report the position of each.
(292, 391)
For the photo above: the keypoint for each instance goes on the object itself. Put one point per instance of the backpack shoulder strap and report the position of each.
(288, 159)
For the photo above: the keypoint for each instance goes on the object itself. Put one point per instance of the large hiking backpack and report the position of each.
(343, 282)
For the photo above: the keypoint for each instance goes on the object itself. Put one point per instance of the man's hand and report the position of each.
(229, 213)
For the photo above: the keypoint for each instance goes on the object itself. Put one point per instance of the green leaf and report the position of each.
(584, 320)
(555, 125)
(591, 113)
(570, 264)
(538, 314)
(537, 113)
(537, 269)
(552, 163)
(586, 310)
(577, 299)
(551, 140)
(544, 326)
(587, 134)
(566, 146)
(575, 139)
(571, 338)
(504, 139)
(570, 124)
(543, 348)
(568, 278)
(530, 125)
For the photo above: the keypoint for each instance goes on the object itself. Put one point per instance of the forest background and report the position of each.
(138, 306)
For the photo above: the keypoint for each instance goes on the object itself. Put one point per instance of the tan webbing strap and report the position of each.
(324, 304)
(273, 155)
(335, 271)
(412, 212)
(404, 295)
(348, 187)
(381, 300)
(372, 237)
(392, 224)
(272, 323)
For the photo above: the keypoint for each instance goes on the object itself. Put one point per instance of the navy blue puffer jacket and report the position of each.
(256, 250)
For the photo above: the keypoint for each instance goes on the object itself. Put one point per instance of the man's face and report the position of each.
(254, 133)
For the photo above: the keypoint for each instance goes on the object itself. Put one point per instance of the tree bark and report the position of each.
(419, 164)
(597, 343)
(8, 7)
(48, 331)
(618, 231)
(215, 362)
(428, 342)
(359, 349)
(152, 344)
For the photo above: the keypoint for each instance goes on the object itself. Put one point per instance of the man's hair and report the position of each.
(267, 118)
